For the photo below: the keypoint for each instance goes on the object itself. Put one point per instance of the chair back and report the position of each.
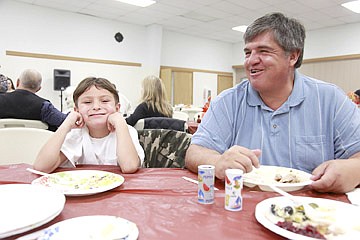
(21, 145)
(181, 115)
(161, 123)
(164, 148)
(14, 122)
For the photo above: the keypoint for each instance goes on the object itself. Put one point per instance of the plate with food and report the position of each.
(91, 227)
(81, 182)
(287, 179)
(25, 207)
(329, 219)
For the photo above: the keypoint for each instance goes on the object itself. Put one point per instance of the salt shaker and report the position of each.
(233, 187)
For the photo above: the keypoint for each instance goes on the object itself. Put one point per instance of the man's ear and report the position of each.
(17, 83)
(294, 56)
(38, 89)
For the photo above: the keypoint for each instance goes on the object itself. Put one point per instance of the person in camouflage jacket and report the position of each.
(164, 148)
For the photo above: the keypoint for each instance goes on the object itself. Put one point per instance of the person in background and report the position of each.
(279, 116)
(68, 99)
(357, 97)
(94, 133)
(125, 105)
(23, 103)
(3, 84)
(10, 85)
(154, 103)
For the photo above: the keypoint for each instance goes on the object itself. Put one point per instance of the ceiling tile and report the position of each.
(211, 19)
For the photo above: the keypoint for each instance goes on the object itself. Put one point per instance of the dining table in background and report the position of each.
(164, 205)
(192, 112)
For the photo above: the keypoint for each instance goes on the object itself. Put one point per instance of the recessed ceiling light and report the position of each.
(353, 6)
(241, 28)
(140, 3)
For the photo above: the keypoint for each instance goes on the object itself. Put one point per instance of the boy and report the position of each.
(94, 133)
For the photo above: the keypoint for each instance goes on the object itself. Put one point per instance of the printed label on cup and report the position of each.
(233, 187)
(206, 178)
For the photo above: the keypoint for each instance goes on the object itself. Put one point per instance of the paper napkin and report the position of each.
(354, 196)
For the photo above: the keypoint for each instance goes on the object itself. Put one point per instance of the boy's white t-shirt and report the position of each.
(80, 148)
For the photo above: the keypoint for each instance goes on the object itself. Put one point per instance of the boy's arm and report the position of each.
(50, 157)
(127, 155)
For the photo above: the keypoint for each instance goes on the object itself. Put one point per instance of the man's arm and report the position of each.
(197, 155)
(51, 115)
(235, 157)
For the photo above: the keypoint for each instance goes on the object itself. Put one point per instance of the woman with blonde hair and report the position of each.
(153, 101)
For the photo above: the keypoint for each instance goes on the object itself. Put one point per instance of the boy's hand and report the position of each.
(114, 120)
(74, 120)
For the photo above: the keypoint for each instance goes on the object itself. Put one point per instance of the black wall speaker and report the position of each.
(119, 37)
(61, 79)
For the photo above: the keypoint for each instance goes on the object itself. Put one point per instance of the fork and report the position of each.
(51, 176)
(310, 212)
(39, 172)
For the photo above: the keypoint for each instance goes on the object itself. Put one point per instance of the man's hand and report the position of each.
(239, 158)
(338, 176)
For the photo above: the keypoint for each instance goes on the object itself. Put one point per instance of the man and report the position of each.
(357, 97)
(23, 103)
(280, 117)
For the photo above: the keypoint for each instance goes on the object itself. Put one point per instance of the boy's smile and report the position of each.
(95, 105)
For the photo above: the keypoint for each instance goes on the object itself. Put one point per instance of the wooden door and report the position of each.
(224, 82)
(183, 88)
(166, 77)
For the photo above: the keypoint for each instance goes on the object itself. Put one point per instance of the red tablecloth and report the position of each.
(164, 206)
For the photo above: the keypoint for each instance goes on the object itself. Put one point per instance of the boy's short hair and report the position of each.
(99, 83)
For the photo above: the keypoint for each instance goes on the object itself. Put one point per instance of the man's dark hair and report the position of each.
(289, 33)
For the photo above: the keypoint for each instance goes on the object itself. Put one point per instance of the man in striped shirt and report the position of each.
(279, 116)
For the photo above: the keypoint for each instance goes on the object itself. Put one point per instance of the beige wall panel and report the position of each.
(224, 82)
(183, 87)
(343, 73)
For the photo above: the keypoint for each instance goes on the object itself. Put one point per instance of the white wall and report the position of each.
(193, 52)
(203, 81)
(329, 42)
(34, 29)
(333, 41)
(29, 28)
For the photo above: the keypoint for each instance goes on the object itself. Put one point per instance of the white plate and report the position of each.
(24, 207)
(265, 175)
(92, 227)
(345, 216)
(81, 182)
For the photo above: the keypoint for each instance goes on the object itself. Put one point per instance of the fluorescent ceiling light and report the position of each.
(140, 3)
(241, 28)
(353, 6)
